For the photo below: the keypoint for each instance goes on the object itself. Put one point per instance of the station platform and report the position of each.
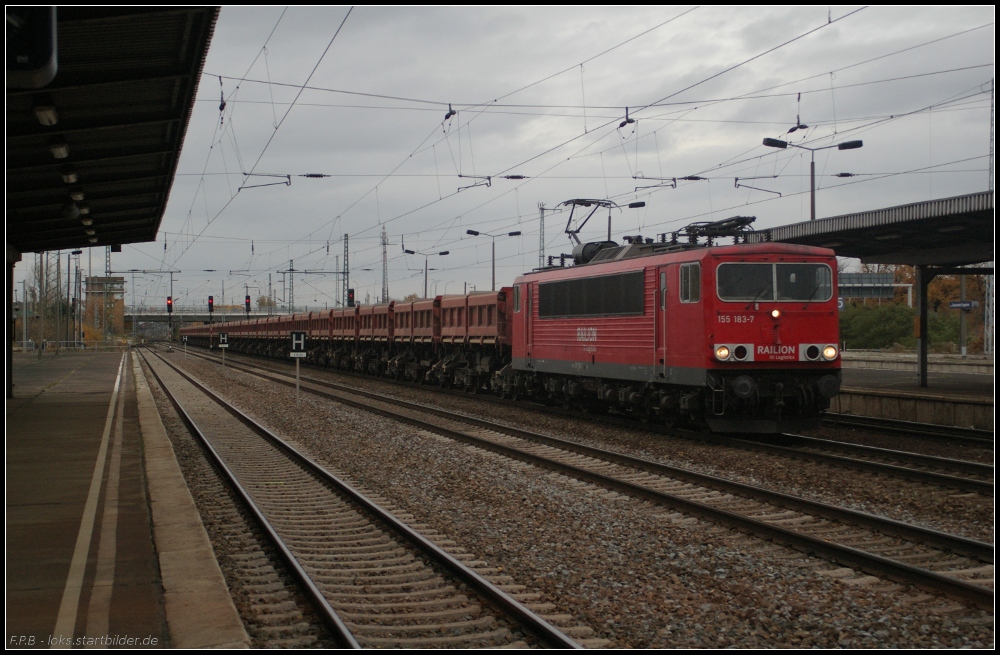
(104, 545)
(959, 392)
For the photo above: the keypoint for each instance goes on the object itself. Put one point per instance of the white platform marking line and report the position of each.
(99, 608)
(66, 620)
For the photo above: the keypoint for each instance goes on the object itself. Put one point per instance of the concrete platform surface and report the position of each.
(938, 384)
(907, 361)
(85, 556)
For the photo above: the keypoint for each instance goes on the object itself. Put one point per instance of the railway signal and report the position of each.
(211, 304)
(170, 304)
(350, 297)
(247, 302)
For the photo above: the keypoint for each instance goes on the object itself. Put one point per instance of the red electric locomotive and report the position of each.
(742, 338)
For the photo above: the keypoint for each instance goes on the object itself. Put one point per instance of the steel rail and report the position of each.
(960, 465)
(969, 436)
(510, 606)
(902, 472)
(931, 477)
(954, 543)
(846, 555)
(330, 617)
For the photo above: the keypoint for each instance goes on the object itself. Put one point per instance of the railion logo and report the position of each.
(775, 350)
(586, 334)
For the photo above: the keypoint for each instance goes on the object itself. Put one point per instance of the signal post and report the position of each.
(298, 352)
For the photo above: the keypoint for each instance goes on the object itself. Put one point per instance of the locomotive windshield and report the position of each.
(775, 282)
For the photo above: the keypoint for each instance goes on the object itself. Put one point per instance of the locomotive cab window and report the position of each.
(690, 289)
(802, 282)
(806, 282)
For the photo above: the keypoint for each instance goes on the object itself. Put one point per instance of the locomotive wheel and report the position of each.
(647, 414)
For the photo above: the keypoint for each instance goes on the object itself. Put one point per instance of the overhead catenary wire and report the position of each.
(610, 176)
(415, 151)
(266, 145)
(507, 169)
(232, 94)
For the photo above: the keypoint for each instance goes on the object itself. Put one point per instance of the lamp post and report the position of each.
(493, 237)
(426, 257)
(847, 145)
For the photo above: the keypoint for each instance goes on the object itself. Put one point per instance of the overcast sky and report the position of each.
(540, 93)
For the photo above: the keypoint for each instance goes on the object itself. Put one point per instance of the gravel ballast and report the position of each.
(638, 574)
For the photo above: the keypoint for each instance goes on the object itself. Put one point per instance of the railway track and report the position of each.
(958, 567)
(377, 581)
(945, 472)
(909, 429)
(953, 473)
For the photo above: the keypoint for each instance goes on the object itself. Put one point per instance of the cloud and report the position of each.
(395, 163)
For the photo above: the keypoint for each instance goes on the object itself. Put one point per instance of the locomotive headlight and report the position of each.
(775, 313)
(830, 353)
(722, 353)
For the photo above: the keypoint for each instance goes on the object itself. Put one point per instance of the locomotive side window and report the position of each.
(517, 298)
(769, 282)
(663, 290)
(690, 290)
(621, 294)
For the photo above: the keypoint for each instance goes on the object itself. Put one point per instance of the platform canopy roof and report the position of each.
(947, 232)
(91, 153)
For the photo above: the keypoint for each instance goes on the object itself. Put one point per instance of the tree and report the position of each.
(865, 324)
(871, 327)
(264, 302)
